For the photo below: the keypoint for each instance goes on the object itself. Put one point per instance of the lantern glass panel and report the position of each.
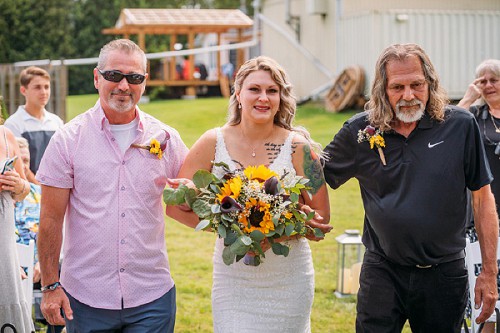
(350, 257)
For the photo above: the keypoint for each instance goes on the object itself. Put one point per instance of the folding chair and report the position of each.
(474, 264)
(26, 254)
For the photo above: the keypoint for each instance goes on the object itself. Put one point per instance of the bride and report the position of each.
(277, 295)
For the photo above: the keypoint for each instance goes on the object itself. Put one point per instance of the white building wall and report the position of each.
(309, 62)
(455, 41)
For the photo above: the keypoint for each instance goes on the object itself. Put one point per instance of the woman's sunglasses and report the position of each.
(117, 76)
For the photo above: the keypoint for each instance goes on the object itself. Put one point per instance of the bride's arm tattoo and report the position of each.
(313, 170)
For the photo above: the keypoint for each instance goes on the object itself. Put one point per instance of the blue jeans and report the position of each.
(155, 317)
(432, 299)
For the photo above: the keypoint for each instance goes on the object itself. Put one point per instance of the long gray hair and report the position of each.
(288, 106)
(380, 113)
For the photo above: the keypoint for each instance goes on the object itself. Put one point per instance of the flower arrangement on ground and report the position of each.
(245, 208)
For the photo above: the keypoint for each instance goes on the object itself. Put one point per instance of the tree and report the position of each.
(69, 29)
(33, 29)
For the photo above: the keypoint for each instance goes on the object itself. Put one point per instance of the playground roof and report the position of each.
(178, 21)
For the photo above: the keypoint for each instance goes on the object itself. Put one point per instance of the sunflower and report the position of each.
(231, 188)
(256, 216)
(260, 173)
(154, 148)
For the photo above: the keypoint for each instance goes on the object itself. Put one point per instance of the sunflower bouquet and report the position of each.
(245, 208)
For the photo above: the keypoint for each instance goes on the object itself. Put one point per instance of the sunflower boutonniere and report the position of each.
(154, 146)
(375, 138)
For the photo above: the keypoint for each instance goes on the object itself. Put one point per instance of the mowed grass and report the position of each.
(190, 252)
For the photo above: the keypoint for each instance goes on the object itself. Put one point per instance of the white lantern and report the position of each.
(350, 257)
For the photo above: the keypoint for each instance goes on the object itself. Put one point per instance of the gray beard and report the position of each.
(412, 116)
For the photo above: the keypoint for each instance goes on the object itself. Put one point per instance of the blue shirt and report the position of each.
(27, 217)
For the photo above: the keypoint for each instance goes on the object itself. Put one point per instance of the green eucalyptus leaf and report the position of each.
(294, 197)
(278, 249)
(271, 233)
(190, 197)
(285, 251)
(173, 197)
(215, 188)
(202, 178)
(318, 233)
(280, 229)
(299, 215)
(256, 261)
(289, 229)
(258, 248)
(221, 230)
(215, 208)
(228, 256)
(238, 247)
(222, 165)
(246, 240)
(201, 208)
(257, 235)
(202, 225)
(231, 237)
(310, 215)
(227, 218)
(276, 219)
(303, 181)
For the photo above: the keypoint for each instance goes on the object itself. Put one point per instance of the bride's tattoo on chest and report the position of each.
(273, 150)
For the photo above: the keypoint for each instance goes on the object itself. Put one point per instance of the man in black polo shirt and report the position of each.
(414, 158)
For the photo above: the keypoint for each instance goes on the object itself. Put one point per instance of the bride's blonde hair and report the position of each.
(288, 105)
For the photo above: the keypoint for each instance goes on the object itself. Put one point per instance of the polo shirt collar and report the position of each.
(426, 122)
(26, 116)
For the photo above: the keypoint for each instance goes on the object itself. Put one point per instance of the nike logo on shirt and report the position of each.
(432, 145)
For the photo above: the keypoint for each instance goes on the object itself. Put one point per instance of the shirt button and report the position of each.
(123, 214)
(122, 241)
(122, 270)
(123, 162)
(123, 188)
(112, 139)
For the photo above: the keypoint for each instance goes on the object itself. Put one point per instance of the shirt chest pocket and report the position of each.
(148, 176)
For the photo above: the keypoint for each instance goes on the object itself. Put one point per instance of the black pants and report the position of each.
(431, 299)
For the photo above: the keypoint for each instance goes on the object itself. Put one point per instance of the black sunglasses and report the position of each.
(117, 76)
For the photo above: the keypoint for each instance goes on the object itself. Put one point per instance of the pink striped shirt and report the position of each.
(114, 241)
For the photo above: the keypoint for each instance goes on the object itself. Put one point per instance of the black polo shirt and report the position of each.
(415, 206)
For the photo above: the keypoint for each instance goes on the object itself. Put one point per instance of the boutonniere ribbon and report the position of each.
(154, 146)
(375, 138)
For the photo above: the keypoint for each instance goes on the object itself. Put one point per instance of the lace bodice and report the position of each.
(282, 163)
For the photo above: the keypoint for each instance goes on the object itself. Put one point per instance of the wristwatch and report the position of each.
(51, 287)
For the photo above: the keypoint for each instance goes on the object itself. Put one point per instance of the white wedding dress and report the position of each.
(275, 296)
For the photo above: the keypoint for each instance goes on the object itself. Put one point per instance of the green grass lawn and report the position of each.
(190, 252)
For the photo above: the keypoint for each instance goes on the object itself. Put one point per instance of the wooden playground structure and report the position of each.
(229, 25)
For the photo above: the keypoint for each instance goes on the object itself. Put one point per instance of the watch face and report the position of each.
(51, 287)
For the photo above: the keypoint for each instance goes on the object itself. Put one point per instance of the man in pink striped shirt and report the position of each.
(98, 170)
